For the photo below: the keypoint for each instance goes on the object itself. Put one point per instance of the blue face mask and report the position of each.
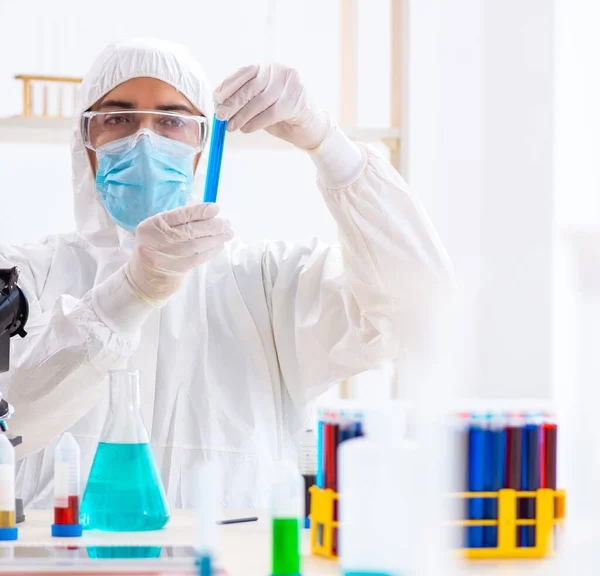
(143, 175)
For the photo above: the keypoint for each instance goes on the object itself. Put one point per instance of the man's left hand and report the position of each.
(271, 96)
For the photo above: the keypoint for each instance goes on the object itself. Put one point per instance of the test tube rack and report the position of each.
(323, 524)
(550, 511)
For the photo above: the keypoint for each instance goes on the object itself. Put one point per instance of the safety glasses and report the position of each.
(100, 128)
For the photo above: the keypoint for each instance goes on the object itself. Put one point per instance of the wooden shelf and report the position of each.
(33, 130)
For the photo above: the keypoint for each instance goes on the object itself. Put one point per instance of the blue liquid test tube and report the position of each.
(214, 160)
(476, 478)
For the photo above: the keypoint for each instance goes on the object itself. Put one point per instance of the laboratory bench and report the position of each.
(244, 549)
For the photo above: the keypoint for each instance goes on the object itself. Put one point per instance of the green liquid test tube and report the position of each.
(287, 512)
(286, 546)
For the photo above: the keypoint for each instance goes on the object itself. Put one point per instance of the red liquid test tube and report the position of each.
(66, 488)
(331, 434)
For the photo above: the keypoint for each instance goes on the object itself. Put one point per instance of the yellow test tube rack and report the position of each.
(322, 521)
(550, 506)
(550, 509)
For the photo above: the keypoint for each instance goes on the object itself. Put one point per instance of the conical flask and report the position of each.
(124, 492)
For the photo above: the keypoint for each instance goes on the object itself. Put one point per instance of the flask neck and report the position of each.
(123, 424)
(124, 390)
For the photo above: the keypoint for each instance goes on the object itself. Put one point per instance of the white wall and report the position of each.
(480, 151)
(444, 134)
(36, 192)
(517, 212)
(577, 150)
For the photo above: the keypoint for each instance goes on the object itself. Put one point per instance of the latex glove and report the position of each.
(271, 96)
(170, 244)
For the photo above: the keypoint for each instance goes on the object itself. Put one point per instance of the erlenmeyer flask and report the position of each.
(124, 491)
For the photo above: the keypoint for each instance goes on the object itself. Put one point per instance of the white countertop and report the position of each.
(244, 548)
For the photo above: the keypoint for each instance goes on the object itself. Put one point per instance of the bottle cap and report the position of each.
(9, 533)
(67, 448)
(66, 469)
(67, 530)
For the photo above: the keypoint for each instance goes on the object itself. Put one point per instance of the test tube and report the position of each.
(308, 469)
(207, 510)
(320, 425)
(66, 488)
(287, 508)
(549, 442)
(215, 157)
(331, 435)
(8, 529)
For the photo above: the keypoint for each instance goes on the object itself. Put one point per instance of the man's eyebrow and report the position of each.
(126, 104)
(175, 108)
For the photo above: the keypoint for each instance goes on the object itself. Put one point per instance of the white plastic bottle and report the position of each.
(376, 496)
(208, 500)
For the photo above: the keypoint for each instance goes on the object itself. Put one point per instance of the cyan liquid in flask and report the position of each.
(124, 492)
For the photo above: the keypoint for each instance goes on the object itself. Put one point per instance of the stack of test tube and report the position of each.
(334, 427)
(509, 457)
(515, 451)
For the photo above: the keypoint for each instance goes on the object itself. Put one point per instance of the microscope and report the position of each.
(14, 311)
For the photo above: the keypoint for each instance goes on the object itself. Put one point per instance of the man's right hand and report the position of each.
(170, 244)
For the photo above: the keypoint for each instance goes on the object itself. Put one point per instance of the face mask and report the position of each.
(142, 175)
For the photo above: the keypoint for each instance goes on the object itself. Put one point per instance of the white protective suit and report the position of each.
(230, 363)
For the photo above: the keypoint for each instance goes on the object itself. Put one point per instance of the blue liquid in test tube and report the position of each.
(214, 160)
